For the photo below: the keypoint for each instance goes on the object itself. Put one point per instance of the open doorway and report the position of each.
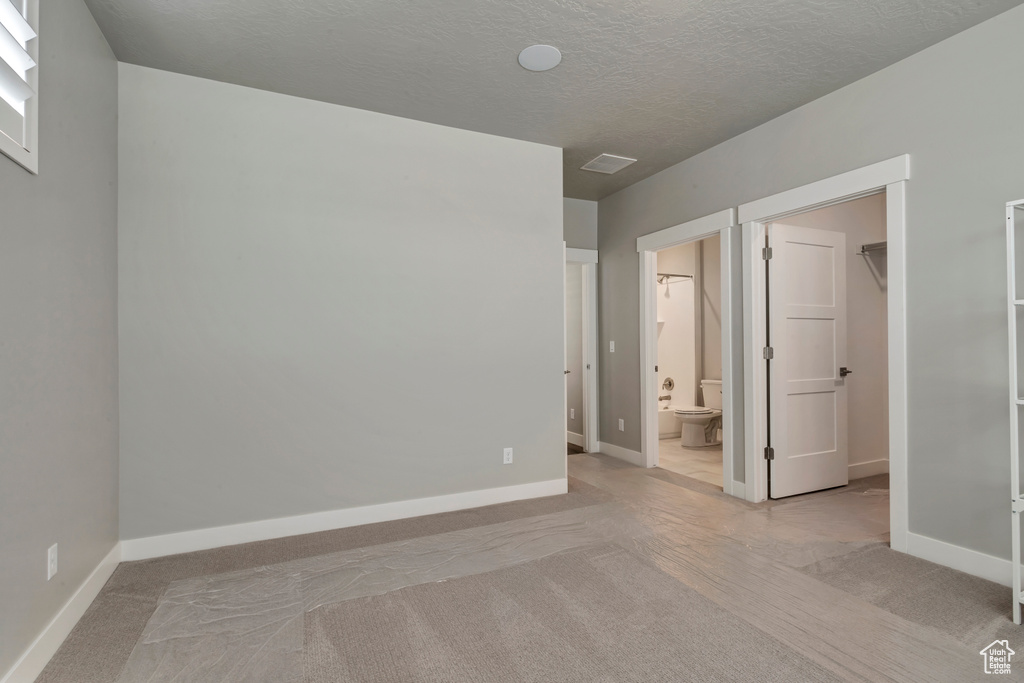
(712, 233)
(689, 359)
(581, 350)
(766, 427)
(827, 367)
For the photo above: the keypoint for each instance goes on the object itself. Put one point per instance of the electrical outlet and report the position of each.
(622, 425)
(507, 459)
(572, 413)
(51, 561)
(611, 347)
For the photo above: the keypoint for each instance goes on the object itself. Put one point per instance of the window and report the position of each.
(19, 77)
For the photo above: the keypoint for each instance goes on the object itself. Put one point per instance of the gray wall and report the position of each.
(956, 109)
(574, 347)
(323, 307)
(580, 223)
(863, 222)
(711, 307)
(58, 287)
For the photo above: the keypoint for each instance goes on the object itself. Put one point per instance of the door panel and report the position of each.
(807, 328)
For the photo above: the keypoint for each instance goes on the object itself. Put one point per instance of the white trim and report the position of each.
(728, 393)
(648, 356)
(896, 303)
(621, 453)
(956, 557)
(859, 470)
(839, 188)
(587, 258)
(647, 247)
(216, 537)
(591, 414)
(580, 255)
(754, 383)
(576, 439)
(565, 354)
(738, 489)
(689, 231)
(888, 176)
(36, 656)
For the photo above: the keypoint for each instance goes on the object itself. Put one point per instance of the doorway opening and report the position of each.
(688, 371)
(774, 431)
(827, 332)
(715, 431)
(581, 414)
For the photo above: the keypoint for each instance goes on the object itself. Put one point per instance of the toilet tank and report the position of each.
(712, 391)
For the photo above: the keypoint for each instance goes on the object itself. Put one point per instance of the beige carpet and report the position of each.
(98, 648)
(968, 608)
(598, 614)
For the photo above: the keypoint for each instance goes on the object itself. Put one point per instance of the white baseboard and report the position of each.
(632, 457)
(859, 470)
(739, 490)
(216, 537)
(38, 654)
(964, 559)
(576, 439)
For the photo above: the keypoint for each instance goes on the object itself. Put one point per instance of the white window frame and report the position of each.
(27, 155)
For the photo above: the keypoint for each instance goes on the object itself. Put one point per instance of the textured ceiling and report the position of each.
(659, 80)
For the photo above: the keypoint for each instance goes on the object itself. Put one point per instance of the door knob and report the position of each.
(843, 372)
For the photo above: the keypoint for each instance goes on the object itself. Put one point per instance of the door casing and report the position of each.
(587, 258)
(891, 177)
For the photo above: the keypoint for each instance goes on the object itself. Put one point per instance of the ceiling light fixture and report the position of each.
(540, 57)
(607, 163)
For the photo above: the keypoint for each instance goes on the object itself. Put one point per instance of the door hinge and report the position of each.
(766, 253)
(769, 453)
(655, 368)
(769, 353)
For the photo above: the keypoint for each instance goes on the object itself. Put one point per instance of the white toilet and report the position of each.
(701, 424)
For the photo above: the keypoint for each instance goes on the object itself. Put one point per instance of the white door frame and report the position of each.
(890, 177)
(588, 259)
(720, 223)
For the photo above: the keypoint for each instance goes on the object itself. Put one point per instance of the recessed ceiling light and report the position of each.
(607, 163)
(540, 57)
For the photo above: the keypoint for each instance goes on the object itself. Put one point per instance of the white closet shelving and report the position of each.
(1015, 298)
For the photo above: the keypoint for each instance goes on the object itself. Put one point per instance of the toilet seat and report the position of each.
(693, 410)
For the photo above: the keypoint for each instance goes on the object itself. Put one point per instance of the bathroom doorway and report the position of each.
(705, 414)
(688, 369)
(581, 350)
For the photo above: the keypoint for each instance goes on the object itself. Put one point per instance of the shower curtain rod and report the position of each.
(665, 276)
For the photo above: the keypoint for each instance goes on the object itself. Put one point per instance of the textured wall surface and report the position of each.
(306, 330)
(952, 108)
(657, 81)
(58, 335)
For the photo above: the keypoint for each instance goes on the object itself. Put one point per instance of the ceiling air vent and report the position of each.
(607, 163)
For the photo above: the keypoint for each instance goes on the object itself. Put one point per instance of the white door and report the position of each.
(807, 333)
